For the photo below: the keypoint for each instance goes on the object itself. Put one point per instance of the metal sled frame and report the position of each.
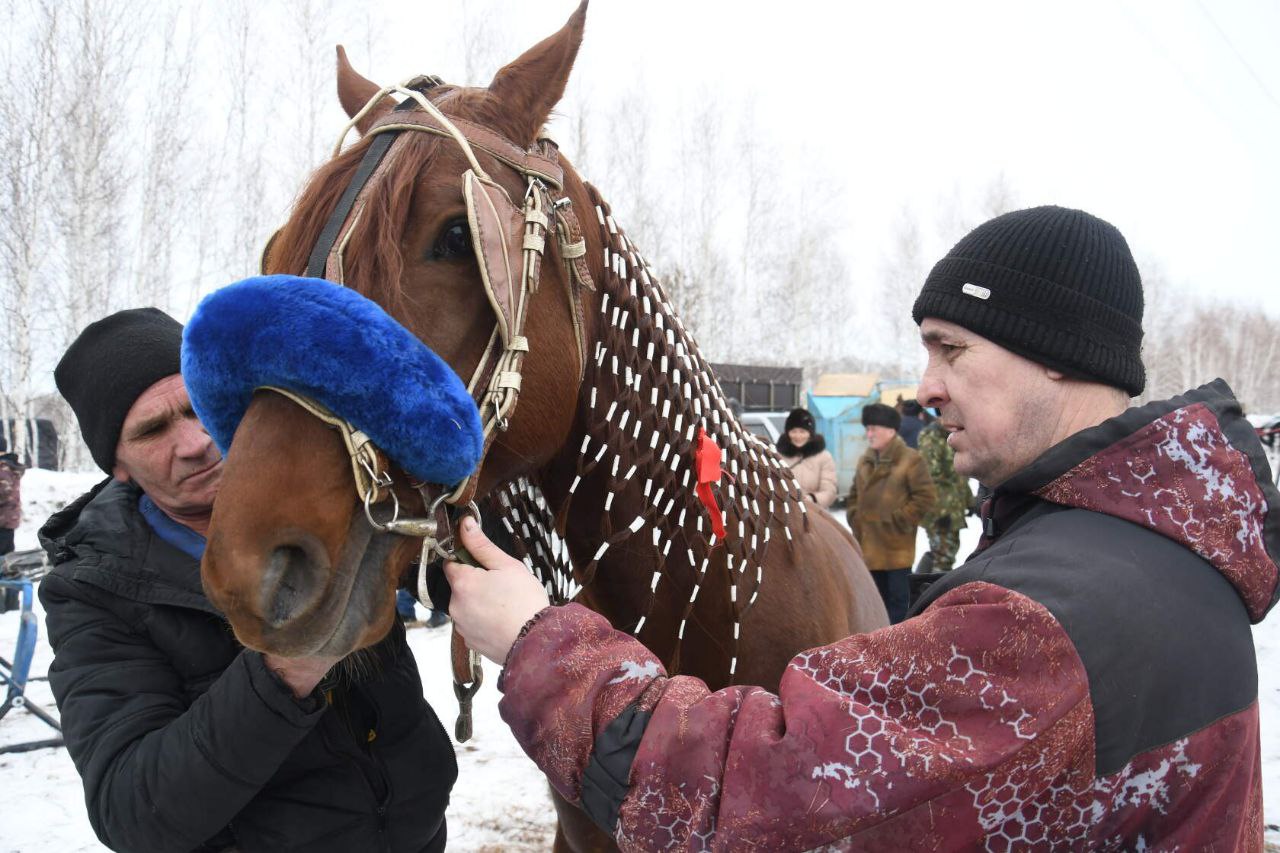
(14, 675)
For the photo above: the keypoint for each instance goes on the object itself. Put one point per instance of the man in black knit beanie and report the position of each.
(1057, 293)
(184, 739)
(1086, 680)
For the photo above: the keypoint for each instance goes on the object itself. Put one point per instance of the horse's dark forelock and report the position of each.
(372, 262)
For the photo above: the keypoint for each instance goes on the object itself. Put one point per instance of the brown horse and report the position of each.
(597, 472)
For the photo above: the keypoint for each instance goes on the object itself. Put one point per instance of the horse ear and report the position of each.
(354, 91)
(530, 87)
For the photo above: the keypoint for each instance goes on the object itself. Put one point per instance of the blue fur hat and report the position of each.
(331, 344)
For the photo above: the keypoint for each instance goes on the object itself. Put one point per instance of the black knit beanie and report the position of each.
(107, 368)
(1054, 285)
(800, 418)
(878, 414)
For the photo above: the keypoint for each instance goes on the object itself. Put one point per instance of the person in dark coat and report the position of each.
(184, 739)
(11, 471)
(1086, 681)
(912, 422)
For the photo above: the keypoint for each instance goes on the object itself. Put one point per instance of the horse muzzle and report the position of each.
(294, 600)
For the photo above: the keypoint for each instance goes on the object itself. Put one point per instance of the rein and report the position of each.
(509, 241)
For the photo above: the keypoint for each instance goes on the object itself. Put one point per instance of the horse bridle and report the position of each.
(501, 232)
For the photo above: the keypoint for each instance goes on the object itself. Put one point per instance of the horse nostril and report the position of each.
(291, 580)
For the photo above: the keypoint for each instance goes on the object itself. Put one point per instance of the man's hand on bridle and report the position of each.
(492, 602)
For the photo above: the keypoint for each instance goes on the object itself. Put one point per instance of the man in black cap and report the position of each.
(1085, 681)
(890, 495)
(122, 379)
(912, 422)
(184, 739)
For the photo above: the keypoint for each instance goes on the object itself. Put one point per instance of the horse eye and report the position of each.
(453, 242)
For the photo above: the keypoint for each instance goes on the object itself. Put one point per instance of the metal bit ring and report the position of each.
(381, 527)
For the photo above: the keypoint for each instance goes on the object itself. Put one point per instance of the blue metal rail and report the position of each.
(15, 674)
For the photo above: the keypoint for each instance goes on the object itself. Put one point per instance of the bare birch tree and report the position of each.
(242, 169)
(695, 267)
(91, 176)
(311, 80)
(959, 212)
(483, 41)
(632, 173)
(1191, 340)
(902, 274)
(166, 192)
(26, 135)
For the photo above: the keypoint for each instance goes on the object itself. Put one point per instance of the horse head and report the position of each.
(437, 238)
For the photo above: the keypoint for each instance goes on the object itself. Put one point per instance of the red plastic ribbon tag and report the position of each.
(706, 457)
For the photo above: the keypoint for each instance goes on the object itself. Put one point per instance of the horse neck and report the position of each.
(627, 473)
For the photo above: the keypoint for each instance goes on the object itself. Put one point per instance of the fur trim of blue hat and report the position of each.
(331, 344)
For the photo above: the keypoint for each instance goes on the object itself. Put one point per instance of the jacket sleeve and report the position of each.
(8, 487)
(851, 503)
(159, 775)
(899, 739)
(921, 492)
(826, 493)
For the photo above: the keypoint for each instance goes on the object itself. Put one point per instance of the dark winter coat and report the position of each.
(910, 429)
(1087, 681)
(11, 493)
(185, 740)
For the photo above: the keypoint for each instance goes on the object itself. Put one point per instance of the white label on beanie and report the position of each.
(976, 290)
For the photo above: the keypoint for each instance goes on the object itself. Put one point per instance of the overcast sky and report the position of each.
(1162, 117)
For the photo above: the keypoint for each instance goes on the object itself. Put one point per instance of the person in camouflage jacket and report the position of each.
(11, 471)
(945, 521)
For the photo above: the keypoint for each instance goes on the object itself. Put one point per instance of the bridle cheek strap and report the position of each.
(497, 229)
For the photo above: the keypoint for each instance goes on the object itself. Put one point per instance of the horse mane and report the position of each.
(646, 391)
(372, 262)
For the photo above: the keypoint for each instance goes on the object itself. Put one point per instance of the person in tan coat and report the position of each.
(891, 494)
(806, 453)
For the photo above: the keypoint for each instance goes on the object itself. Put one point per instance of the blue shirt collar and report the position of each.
(178, 535)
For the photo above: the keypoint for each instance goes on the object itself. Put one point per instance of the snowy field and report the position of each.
(500, 802)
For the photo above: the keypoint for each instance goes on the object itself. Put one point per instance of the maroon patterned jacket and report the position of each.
(1086, 680)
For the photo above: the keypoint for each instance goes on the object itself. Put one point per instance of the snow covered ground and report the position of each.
(500, 802)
